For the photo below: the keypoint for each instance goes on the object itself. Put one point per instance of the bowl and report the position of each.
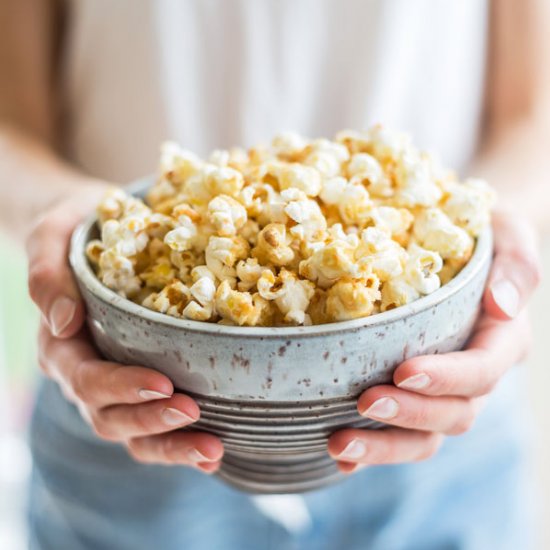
(274, 395)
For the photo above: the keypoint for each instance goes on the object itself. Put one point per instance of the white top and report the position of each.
(216, 73)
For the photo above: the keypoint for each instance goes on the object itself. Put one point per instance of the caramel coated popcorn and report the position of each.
(299, 232)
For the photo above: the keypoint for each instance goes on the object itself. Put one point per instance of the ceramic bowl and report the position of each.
(274, 395)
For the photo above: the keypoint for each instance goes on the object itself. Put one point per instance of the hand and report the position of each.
(129, 404)
(437, 395)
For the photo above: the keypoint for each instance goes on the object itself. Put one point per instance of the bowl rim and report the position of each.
(85, 275)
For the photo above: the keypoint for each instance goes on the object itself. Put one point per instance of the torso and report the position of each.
(216, 73)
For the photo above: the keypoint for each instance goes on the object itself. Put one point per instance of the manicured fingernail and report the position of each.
(174, 417)
(149, 395)
(354, 449)
(61, 314)
(506, 296)
(416, 382)
(384, 408)
(196, 456)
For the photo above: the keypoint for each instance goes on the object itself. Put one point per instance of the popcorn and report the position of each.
(355, 142)
(94, 249)
(177, 164)
(210, 181)
(397, 292)
(117, 272)
(298, 232)
(226, 215)
(181, 238)
(126, 236)
(326, 157)
(468, 205)
(304, 178)
(204, 292)
(290, 294)
(395, 221)
(365, 169)
(352, 298)
(416, 184)
(435, 231)
(159, 274)
(222, 253)
(240, 308)
(273, 246)
(310, 221)
(288, 145)
(380, 254)
(248, 273)
(219, 157)
(351, 199)
(387, 145)
(329, 263)
(422, 268)
(171, 300)
(112, 205)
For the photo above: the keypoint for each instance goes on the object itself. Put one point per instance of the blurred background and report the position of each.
(18, 373)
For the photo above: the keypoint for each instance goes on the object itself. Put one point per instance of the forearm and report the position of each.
(32, 178)
(516, 162)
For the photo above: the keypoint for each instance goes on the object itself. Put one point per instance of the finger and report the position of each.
(388, 404)
(196, 449)
(51, 283)
(121, 422)
(84, 377)
(495, 347)
(516, 267)
(349, 467)
(388, 446)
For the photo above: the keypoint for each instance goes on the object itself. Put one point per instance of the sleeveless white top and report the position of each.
(217, 73)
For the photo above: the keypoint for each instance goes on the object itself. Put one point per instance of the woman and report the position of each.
(90, 88)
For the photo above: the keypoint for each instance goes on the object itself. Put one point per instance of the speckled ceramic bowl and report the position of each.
(274, 395)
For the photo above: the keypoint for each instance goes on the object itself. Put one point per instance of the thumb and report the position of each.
(516, 270)
(50, 279)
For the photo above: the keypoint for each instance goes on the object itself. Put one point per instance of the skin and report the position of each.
(137, 406)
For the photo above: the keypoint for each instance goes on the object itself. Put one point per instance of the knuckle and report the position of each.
(142, 421)
(430, 448)
(465, 421)
(78, 385)
(39, 275)
(419, 417)
(167, 449)
(533, 268)
(383, 453)
(101, 428)
(487, 381)
(36, 229)
(136, 452)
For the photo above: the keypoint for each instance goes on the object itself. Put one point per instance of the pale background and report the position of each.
(17, 374)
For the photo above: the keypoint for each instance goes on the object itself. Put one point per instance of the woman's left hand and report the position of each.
(438, 395)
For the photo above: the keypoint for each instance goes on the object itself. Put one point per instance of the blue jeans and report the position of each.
(89, 494)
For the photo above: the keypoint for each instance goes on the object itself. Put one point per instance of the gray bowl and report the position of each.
(274, 395)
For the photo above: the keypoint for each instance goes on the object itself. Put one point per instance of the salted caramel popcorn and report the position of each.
(297, 232)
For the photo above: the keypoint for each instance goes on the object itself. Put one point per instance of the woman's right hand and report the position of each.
(133, 405)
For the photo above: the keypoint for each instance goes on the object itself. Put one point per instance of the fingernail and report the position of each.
(174, 417)
(415, 382)
(148, 395)
(506, 296)
(61, 314)
(195, 456)
(354, 449)
(384, 408)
